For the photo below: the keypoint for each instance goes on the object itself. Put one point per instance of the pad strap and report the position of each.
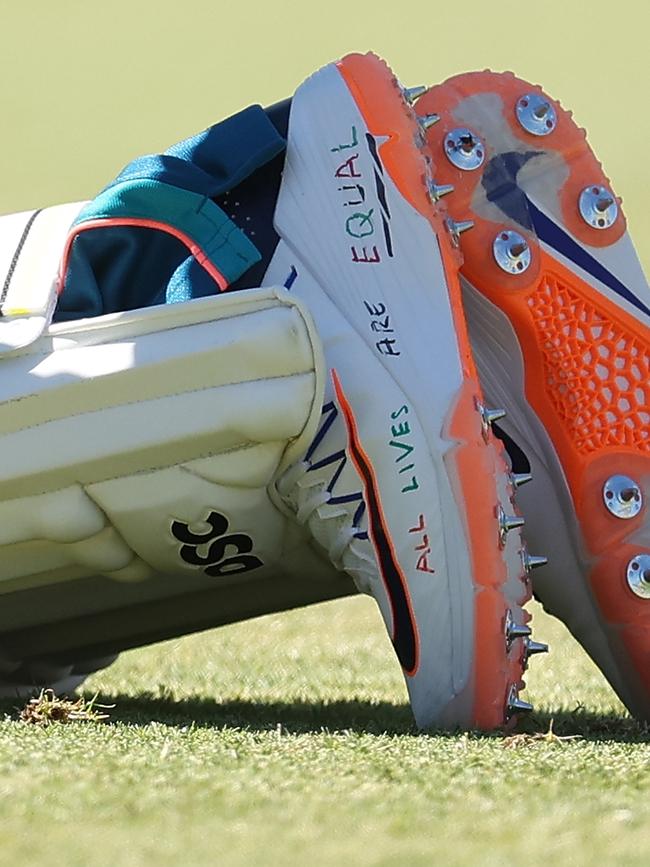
(30, 251)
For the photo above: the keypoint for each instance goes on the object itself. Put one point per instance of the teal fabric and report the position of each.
(196, 216)
(114, 267)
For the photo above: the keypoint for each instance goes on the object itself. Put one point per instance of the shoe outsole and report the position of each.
(586, 351)
(487, 491)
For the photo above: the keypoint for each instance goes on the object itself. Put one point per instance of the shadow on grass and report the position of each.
(296, 716)
(591, 726)
(355, 715)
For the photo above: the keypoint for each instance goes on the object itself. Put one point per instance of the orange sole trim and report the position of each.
(372, 84)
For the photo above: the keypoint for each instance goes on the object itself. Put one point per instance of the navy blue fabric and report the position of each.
(500, 184)
(251, 205)
(231, 150)
(122, 268)
(215, 160)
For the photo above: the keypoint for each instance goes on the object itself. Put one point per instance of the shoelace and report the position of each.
(309, 500)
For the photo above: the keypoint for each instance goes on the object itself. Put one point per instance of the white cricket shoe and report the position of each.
(404, 485)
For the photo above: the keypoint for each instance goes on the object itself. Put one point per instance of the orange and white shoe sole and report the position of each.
(483, 487)
(559, 316)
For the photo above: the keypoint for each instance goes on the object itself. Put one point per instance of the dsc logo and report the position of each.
(215, 543)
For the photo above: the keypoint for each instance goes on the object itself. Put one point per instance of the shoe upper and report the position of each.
(405, 486)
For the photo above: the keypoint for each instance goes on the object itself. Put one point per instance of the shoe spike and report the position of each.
(492, 415)
(533, 562)
(515, 704)
(457, 227)
(514, 630)
(411, 94)
(598, 208)
(533, 647)
(509, 522)
(517, 250)
(536, 114)
(437, 191)
(519, 479)
(426, 121)
(518, 630)
(488, 417)
(605, 203)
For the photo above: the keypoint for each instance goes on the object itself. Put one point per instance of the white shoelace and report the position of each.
(308, 499)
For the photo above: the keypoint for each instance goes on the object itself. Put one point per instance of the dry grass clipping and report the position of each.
(548, 737)
(47, 709)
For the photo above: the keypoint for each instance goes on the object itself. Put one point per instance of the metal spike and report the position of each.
(623, 497)
(437, 191)
(467, 143)
(492, 415)
(516, 705)
(511, 252)
(517, 630)
(532, 562)
(604, 203)
(519, 479)
(513, 630)
(426, 121)
(488, 417)
(517, 250)
(508, 523)
(456, 229)
(511, 522)
(533, 647)
(536, 114)
(638, 575)
(411, 94)
(598, 207)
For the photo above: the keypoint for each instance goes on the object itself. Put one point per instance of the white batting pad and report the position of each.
(144, 442)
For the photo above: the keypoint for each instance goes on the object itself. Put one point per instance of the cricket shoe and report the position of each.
(558, 311)
(405, 486)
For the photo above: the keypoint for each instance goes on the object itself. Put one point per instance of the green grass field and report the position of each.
(286, 741)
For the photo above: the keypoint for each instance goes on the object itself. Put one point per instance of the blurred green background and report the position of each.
(86, 86)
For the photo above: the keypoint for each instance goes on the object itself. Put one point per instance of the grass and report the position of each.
(288, 740)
